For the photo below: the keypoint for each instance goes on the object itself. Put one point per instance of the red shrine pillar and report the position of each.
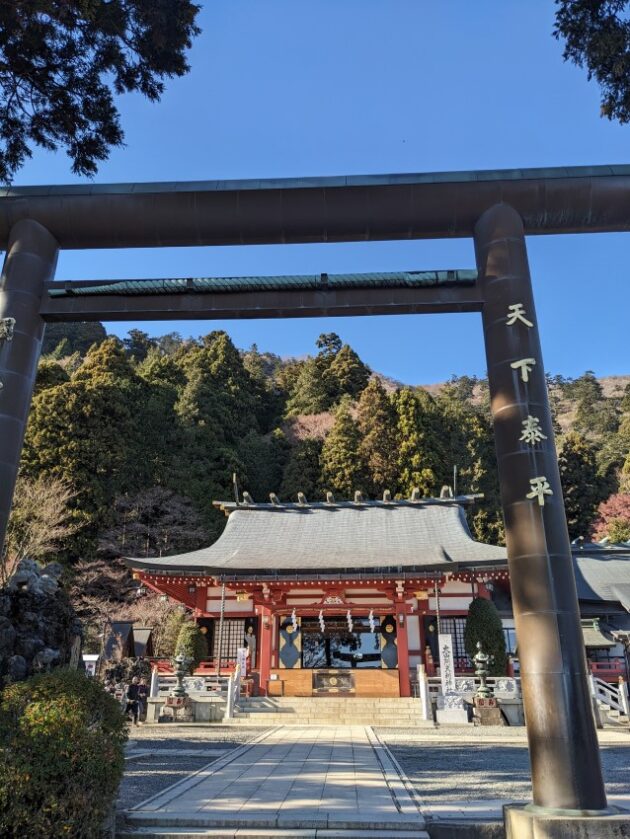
(402, 642)
(264, 647)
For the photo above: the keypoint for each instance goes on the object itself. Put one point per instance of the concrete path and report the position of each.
(312, 779)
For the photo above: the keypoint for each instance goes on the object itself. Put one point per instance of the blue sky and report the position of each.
(324, 87)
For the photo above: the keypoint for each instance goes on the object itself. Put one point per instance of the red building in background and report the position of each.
(348, 596)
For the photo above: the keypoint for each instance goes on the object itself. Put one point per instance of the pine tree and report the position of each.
(468, 444)
(348, 374)
(138, 344)
(483, 623)
(263, 459)
(322, 381)
(581, 485)
(418, 446)
(302, 471)
(341, 467)
(378, 449)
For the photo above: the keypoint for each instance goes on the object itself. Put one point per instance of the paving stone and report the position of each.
(305, 778)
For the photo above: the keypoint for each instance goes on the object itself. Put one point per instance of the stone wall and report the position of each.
(38, 627)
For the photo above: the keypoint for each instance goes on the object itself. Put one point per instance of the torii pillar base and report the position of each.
(535, 823)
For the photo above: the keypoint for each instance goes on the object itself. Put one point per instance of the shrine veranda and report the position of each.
(496, 209)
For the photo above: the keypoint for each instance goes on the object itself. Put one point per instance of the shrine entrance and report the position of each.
(495, 209)
(338, 643)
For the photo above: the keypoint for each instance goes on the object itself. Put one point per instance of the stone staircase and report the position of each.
(329, 710)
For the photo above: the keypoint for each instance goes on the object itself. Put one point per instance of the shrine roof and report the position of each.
(604, 574)
(388, 536)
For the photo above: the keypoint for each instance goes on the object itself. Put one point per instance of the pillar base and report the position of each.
(537, 823)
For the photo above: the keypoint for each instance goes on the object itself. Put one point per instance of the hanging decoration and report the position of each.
(322, 622)
(294, 621)
(371, 621)
(349, 619)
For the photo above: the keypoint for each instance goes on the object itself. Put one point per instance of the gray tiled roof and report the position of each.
(337, 538)
(604, 577)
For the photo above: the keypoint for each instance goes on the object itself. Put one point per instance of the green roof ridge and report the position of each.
(199, 285)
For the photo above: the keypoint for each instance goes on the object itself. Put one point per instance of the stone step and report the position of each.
(263, 833)
(329, 721)
(162, 824)
(269, 717)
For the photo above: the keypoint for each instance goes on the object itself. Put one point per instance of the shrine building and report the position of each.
(336, 595)
(348, 596)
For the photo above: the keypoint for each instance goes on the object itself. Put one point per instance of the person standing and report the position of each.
(132, 700)
(143, 696)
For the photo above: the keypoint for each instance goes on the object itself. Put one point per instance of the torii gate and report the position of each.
(497, 209)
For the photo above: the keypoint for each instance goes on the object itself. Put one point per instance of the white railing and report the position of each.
(215, 685)
(504, 687)
(614, 697)
(233, 692)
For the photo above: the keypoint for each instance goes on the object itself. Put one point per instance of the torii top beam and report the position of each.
(335, 209)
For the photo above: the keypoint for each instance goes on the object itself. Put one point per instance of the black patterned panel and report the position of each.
(332, 681)
(389, 648)
(290, 647)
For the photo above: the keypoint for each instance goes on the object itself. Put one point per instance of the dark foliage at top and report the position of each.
(62, 61)
(597, 36)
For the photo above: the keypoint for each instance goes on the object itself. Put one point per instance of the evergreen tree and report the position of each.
(138, 344)
(483, 623)
(347, 373)
(341, 467)
(302, 470)
(162, 441)
(263, 460)
(50, 374)
(468, 444)
(378, 449)
(192, 643)
(67, 338)
(217, 407)
(336, 371)
(89, 433)
(418, 446)
(581, 485)
(170, 633)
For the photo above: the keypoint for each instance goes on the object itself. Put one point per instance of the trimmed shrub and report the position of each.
(483, 623)
(61, 756)
(192, 643)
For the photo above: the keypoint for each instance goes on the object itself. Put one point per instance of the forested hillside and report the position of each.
(138, 437)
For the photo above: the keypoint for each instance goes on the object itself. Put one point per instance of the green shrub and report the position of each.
(483, 623)
(192, 642)
(61, 756)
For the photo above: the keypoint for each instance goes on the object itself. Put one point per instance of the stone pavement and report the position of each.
(304, 781)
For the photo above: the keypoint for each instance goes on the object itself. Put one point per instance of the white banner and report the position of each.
(241, 658)
(447, 665)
